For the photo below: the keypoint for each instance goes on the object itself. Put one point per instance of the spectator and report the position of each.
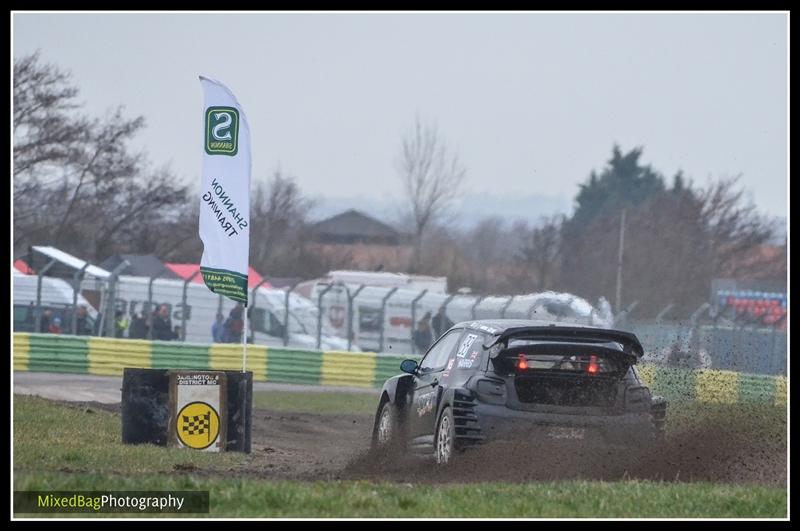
(441, 323)
(234, 325)
(423, 336)
(138, 329)
(120, 323)
(30, 318)
(162, 324)
(44, 324)
(82, 326)
(55, 326)
(218, 329)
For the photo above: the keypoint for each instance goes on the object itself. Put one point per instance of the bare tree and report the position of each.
(77, 183)
(48, 134)
(172, 236)
(431, 178)
(100, 167)
(735, 228)
(279, 227)
(540, 251)
(47, 131)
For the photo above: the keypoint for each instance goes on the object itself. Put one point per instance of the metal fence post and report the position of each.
(183, 304)
(148, 314)
(414, 318)
(383, 316)
(443, 311)
(111, 321)
(624, 314)
(664, 312)
(319, 314)
(475, 307)
(286, 314)
(253, 305)
(443, 307)
(76, 286)
(505, 306)
(99, 326)
(38, 322)
(350, 299)
(447, 301)
(696, 315)
(693, 337)
(773, 358)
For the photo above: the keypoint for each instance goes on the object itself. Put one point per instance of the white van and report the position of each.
(56, 296)
(266, 311)
(397, 323)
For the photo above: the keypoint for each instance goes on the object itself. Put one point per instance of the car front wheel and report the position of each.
(387, 427)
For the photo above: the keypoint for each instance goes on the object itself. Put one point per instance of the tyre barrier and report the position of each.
(107, 356)
(146, 408)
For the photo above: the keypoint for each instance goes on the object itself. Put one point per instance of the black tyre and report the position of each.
(387, 433)
(658, 416)
(444, 442)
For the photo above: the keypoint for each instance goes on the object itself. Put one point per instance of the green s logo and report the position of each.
(222, 131)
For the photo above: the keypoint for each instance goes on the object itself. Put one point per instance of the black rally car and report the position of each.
(505, 378)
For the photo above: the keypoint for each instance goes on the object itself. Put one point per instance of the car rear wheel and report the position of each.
(658, 416)
(444, 444)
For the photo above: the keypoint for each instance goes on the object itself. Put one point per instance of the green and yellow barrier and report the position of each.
(107, 356)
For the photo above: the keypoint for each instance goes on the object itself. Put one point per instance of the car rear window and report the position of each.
(577, 363)
(563, 358)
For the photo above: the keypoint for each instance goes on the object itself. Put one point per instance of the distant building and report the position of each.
(355, 240)
(353, 226)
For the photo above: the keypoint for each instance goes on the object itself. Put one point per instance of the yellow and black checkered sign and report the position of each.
(198, 425)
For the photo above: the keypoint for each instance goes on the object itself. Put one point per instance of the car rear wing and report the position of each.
(629, 341)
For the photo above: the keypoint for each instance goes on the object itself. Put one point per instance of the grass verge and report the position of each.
(320, 403)
(259, 498)
(59, 447)
(55, 437)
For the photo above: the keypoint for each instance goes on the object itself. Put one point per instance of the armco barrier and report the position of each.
(91, 355)
(105, 356)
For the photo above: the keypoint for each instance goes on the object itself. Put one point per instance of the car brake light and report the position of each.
(593, 367)
(522, 364)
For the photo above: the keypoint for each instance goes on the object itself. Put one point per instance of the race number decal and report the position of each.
(468, 341)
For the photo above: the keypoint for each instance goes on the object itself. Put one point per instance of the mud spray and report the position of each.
(711, 445)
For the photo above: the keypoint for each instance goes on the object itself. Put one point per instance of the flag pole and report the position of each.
(244, 342)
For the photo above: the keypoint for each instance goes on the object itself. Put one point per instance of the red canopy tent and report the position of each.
(187, 270)
(22, 267)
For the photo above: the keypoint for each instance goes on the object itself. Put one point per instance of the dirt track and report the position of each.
(318, 447)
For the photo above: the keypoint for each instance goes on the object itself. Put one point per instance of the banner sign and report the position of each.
(225, 193)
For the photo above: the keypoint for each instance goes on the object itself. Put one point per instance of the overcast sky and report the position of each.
(532, 102)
